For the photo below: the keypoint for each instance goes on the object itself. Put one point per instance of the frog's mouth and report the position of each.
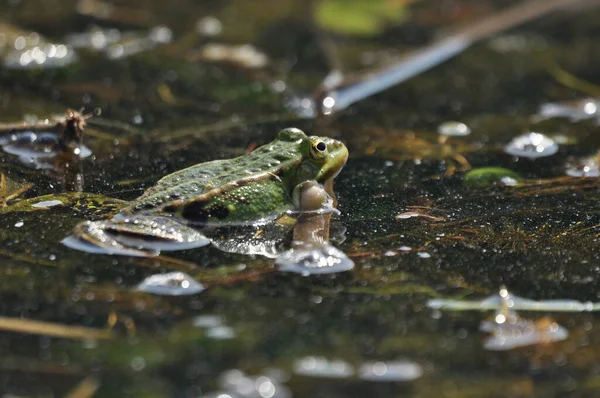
(334, 164)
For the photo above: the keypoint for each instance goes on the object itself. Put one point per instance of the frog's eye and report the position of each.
(318, 149)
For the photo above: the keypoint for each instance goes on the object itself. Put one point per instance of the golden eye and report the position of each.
(318, 149)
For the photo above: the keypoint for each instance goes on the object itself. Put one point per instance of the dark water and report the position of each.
(167, 108)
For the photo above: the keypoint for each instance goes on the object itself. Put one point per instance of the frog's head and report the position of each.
(323, 157)
(328, 155)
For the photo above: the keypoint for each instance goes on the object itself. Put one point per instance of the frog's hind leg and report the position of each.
(91, 237)
(135, 236)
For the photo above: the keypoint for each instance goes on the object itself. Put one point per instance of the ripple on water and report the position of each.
(514, 332)
(323, 367)
(313, 260)
(46, 56)
(390, 371)
(583, 167)
(34, 147)
(236, 384)
(582, 109)
(170, 284)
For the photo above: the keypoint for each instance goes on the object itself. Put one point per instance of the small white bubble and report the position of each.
(209, 26)
(20, 43)
(454, 129)
(138, 363)
(19, 224)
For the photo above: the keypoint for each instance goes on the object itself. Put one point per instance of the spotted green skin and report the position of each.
(252, 187)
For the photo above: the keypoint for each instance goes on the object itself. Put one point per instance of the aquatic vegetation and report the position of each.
(416, 146)
(91, 205)
(11, 190)
(360, 17)
(487, 176)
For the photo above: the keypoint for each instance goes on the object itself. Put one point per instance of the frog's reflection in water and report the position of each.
(309, 252)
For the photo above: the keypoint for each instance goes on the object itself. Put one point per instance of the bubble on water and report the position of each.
(513, 331)
(314, 259)
(453, 129)
(138, 363)
(323, 367)
(220, 333)
(160, 34)
(170, 284)
(94, 38)
(517, 43)
(32, 145)
(236, 384)
(390, 371)
(47, 203)
(46, 56)
(495, 301)
(245, 55)
(581, 109)
(531, 145)
(583, 167)
(207, 321)
(209, 26)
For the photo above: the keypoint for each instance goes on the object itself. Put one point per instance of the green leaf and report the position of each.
(360, 17)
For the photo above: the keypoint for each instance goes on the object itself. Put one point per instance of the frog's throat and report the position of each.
(333, 165)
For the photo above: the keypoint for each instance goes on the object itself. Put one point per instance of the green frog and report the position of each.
(294, 172)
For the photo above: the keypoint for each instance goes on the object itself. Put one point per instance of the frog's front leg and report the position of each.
(134, 236)
(312, 196)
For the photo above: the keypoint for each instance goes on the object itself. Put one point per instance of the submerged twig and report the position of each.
(513, 302)
(572, 81)
(219, 126)
(440, 51)
(85, 389)
(51, 329)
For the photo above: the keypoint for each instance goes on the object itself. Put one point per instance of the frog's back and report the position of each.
(205, 180)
